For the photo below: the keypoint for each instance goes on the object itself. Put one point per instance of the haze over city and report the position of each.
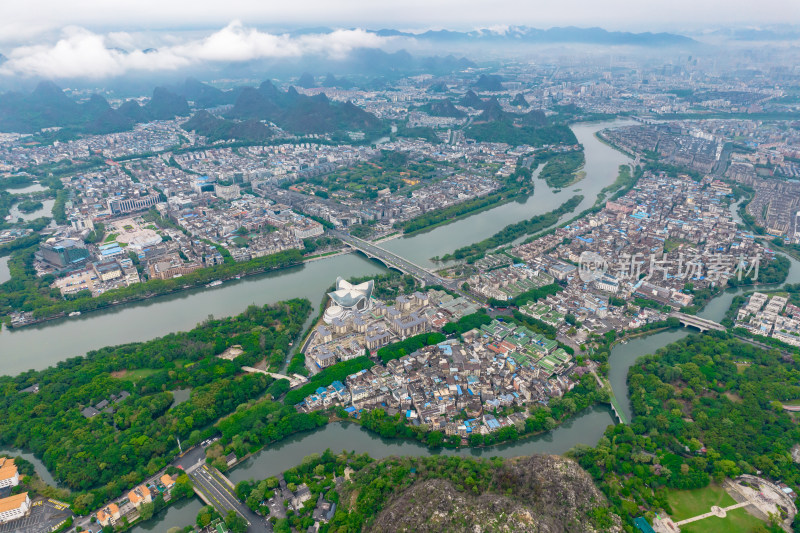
(335, 267)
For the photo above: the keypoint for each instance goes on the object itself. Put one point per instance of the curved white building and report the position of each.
(348, 298)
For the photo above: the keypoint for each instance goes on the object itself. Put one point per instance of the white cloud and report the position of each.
(81, 53)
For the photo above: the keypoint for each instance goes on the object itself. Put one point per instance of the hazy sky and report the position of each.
(21, 18)
(102, 38)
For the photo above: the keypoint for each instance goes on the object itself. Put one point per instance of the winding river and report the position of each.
(31, 347)
(602, 167)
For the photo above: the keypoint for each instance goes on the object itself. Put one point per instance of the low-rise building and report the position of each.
(14, 507)
(108, 515)
(140, 495)
(9, 475)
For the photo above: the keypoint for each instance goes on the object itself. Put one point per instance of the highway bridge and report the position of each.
(394, 261)
(696, 322)
(216, 490)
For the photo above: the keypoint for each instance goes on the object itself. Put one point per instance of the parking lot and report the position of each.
(44, 516)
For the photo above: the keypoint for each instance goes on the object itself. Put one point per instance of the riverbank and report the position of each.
(201, 281)
(500, 200)
(146, 319)
(598, 135)
(514, 231)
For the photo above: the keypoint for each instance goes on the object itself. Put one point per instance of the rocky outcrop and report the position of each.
(541, 494)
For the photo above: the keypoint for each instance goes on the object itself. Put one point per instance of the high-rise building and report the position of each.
(64, 253)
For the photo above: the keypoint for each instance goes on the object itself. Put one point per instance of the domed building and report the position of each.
(348, 298)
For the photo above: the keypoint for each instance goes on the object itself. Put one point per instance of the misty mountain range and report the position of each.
(571, 34)
(48, 106)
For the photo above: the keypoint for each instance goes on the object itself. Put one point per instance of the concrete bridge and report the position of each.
(215, 489)
(394, 261)
(696, 322)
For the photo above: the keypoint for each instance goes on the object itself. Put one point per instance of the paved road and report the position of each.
(215, 488)
(398, 262)
(723, 512)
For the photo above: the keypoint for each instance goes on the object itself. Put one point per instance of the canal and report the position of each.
(5, 274)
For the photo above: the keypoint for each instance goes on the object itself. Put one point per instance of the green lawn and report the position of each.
(135, 375)
(689, 503)
(738, 521)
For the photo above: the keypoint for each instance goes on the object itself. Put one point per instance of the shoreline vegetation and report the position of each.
(266, 415)
(148, 289)
(510, 233)
(111, 451)
(517, 186)
(562, 169)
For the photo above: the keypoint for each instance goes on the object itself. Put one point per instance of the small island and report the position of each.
(29, 206)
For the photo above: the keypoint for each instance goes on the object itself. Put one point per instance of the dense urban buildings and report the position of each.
(454, 250)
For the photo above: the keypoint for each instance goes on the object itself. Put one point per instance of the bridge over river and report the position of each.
(703, 324)
(397, 262)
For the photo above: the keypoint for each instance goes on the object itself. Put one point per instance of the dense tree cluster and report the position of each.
(326, 376)
(561, 169)
(705, 408)
(532, 295)
(112, 451)
(398, 349)
(467, 323)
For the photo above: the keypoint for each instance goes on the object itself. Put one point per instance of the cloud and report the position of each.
(81, 53)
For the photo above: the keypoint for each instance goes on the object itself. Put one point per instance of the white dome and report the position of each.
(334, 311)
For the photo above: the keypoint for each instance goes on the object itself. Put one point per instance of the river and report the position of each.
(182, 513)
(37, 347)
(30, 347)
(38, 466)
(602, 168)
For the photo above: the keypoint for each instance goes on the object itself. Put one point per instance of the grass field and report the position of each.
(689, 503)
(738, 521)
(134, 375)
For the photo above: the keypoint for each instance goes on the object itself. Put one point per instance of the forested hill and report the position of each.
(48, 106)
(215, 128)
(432, 494)
(442, 108)
(496, 125)
(301, 114)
